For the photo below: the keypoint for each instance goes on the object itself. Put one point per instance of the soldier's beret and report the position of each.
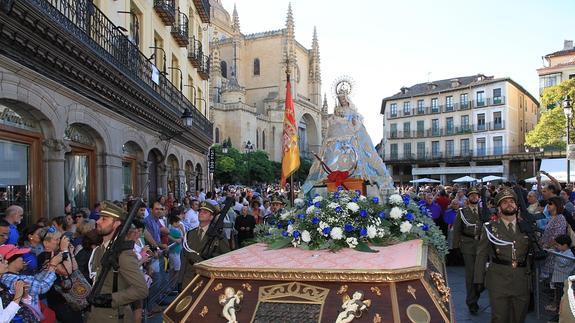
(472, 190)
(112, 210)
(214, 209)
(503, 194)
(277, 199)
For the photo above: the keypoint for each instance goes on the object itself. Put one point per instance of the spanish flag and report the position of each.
(290, 156)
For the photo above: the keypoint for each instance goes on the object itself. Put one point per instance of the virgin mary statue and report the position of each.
(348, 148)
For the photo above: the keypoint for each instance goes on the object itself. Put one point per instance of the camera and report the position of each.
(153, 248)
(65, 255)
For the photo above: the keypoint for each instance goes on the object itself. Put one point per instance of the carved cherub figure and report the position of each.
(230, 300)
(352, 307)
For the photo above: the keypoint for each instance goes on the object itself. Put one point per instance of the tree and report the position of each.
(550, 130)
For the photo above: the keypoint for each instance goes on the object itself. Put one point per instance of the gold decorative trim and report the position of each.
(434, 296)
(394, 303)
(204, 311)
(247, 287)
(200, 284)
(183, 304)
(218, 287)
(360, 276)
(411, 291)
(342, 289)
(376, 290)
(377, 318)
(187, 316)
(178, 299)
(415, 317)
(441, 286)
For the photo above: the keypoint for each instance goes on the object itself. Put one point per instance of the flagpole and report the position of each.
(292, 190)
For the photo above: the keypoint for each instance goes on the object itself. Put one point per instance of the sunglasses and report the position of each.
(50, 229)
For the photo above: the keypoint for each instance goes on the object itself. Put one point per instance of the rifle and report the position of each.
(216, 229)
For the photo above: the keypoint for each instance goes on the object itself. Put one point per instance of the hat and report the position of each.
(112, 210)
(277, 199)
(503, 194)
(472, 190)
(10, 250)
(214, 209)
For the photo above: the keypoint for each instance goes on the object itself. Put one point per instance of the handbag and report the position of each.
(75, 290)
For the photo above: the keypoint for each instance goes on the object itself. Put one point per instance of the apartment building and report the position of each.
(558, 66)
(444, 129)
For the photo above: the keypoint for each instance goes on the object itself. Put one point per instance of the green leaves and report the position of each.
(363, 247)
(280, 243)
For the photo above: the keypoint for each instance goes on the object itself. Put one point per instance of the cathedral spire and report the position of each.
(315, 71)
(324, 106)
(236, 20)
(290, 26)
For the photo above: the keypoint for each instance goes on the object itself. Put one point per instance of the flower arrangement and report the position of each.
(347, 219)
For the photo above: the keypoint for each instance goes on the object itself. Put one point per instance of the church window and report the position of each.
(257, 66)
(217, 135)
(257, 139)
(224, 68)
(263, 140)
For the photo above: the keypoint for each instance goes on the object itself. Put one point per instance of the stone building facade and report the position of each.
(558, 66)
(248, 80)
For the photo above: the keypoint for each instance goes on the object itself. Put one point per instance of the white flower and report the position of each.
(299, 202)
(310, 209)
(333, 205)
(395, 213)
(362, 198)
(351, 242)
(305, 236)
(380, 233)
(371, 231)
(295, 242)
(284, 215)
(396, 199)
(317, 199)
(336, 233)
(405, 227)
(322, 225)
(352, 206)
(290, 229)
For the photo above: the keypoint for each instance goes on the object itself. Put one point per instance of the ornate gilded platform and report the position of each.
(401, 283)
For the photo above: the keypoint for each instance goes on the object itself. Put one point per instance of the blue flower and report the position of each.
(280, 226)
(363, 232)
(382, 215)
(375, 200)
(317, 204)
(301, 216)
(272, 222)
(285, 234)
(309, 203)
(409, 216)
(363, 213)
(338, 209)
(290, 221)
(348, 227)
(336, 195)
(296, 234)
(326, 230)
(355, 199)
(340, 188)
(421, 203)
(315, 220)
(316, 195)
(425, 227)
(358, 192)
(406, 200)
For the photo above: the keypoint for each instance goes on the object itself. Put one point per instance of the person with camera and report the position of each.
(67, 306)
(122, 285)
(10, 305)
(503, 261)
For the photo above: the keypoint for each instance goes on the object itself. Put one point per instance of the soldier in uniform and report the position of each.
(195, 241)
(121, 287)
(466, 231)
(502, 262)
(276, 208)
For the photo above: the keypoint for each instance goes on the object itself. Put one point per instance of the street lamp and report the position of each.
(225, 147)
(249, 147)
(534, 150)
(568, 111)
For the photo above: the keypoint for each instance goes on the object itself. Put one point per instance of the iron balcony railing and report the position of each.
(204, 68)
(92, 28)
(180, 29)
(203, 7)
(195, 52)
(447, 131)
(166, 10)
(460, 106)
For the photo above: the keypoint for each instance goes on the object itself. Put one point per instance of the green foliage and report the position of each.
(301, 174)
(550, 130)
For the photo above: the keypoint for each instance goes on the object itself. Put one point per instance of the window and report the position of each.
(434, 106)
(407, 150)
(393, 108)
(449, 125)
(393, 151)
(224, 69)
(257, 66)
(435, 149)
(435, 127)
(217, 135)
(497, 122)
(481, 147)
(263, 140)
(406, 129)
(480, 99)
(449, 103)
(481, 122)
(465, 123)
(420, 128)
(498, 145)
(549, 80)
(406, 108)
(497, 96)
(421, 150)
(449, 148)
(420, 107)
(464, 147)
(393, 130)
(463, 101)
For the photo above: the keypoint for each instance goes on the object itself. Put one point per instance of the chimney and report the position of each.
(455, 83)
(567, 44)
(404, 90)
(431, 86)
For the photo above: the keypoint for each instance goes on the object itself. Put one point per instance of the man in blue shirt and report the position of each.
(95, 214)
(13, 216)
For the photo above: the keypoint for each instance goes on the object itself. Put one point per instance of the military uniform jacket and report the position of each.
(131, 286)
(187, 271)
(503, 276)
(464, 234)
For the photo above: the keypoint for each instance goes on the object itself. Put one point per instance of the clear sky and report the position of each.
(384, 45)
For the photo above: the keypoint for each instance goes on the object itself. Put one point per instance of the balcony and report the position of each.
(166, 10)
(204, 68)
(203, 8)
(448, 131)
(195, 52)
(180, 29)
(461, 106)
(435, 109)
(449, 108)
(480, 104)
